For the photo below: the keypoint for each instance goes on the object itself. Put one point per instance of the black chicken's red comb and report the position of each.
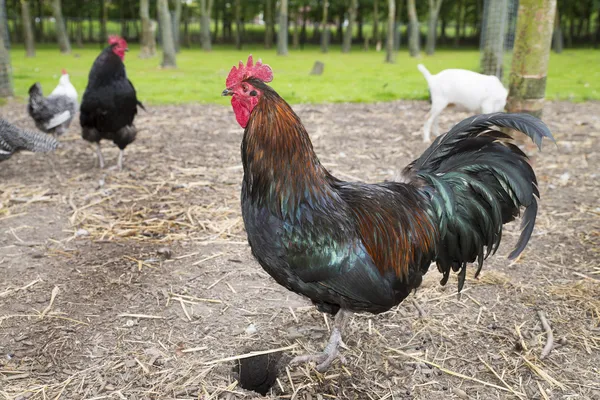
(250, 70)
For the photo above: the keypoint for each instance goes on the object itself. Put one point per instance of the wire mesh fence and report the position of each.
(498, 37)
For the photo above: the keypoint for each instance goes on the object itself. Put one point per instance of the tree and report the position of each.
(324, 28)
(6, 89)
(282, 34)
(413, 34)
(176, 25)
(4, 25)
(238, 24)
(205, 9)
(269, 24)
(557, 36)
(434, 12)
(493, 37)
(459, 17)
(27, 29)
(296, 31)
(376, 33)
(530, 56)
(168, 45)
(389, 45)
(61, 31)
(351, 20)
(103, 21)
(148, 39)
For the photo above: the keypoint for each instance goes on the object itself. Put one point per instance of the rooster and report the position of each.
(357, 247)
(13, 139)
(53, 114)
(109, 103)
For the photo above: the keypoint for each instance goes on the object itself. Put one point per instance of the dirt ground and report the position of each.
(137, 284)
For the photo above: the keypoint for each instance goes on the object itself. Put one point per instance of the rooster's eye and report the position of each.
(253, 93)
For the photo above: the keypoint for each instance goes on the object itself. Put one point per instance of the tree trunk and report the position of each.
(205, 9)
(434, 12)
(27, 29)
(459, 16)
(571, 31)
(597, 35)
(296, 32)
(61, 30)
(413, 35)
(493, 38)
(187, 40)
(79, 34)
(398, 25)
(39, 27)
(339, 34)
(303, 29)
(347, 44)
(122, 20)
(376, 33)
(6, 89)
(176, 25)
(148, 42)
(282, 35)
(168, 46)
(557, 36)
(389, 45)
(325, 28)
(216, 33)
(359, 22)
(530, 56)
(103, 19)
(238, 24)
(90, 27)
(269, 24)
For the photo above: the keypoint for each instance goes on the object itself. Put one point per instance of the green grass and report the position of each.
(356, 77)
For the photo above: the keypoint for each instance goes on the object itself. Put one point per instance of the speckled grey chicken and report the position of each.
(53, 114)
(14, 139)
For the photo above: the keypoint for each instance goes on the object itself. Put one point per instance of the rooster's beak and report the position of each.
(227, 92)
(127, 49)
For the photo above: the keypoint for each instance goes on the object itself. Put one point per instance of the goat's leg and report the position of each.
(436, 109)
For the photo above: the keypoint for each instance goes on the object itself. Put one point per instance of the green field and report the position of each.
(356, 77)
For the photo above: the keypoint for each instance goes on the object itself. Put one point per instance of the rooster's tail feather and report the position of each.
(477, 181)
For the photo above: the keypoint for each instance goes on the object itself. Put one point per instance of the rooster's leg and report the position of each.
(100, 157)
(332, 351)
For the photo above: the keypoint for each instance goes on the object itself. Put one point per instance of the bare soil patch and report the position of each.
(155, 280)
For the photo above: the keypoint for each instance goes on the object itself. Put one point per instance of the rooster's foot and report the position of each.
(322, 360)
(332, 351)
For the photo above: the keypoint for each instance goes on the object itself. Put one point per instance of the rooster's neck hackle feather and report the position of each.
(281, 168)
(107, 67)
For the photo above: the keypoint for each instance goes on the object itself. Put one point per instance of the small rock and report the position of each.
(251, 329)
(82, 232)
(564, 179)
(460, 393)
(165, 252)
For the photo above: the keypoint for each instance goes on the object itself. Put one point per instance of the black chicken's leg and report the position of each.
(120, 162)
(100, 157)
(332, 351)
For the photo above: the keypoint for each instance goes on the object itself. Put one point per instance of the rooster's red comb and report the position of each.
(116, 39)
(250, 70)
(64, 71)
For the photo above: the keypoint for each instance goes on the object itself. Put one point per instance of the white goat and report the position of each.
(475, 92)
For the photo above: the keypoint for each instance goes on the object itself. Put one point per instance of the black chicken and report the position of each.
(109, 103)
(364, 247)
